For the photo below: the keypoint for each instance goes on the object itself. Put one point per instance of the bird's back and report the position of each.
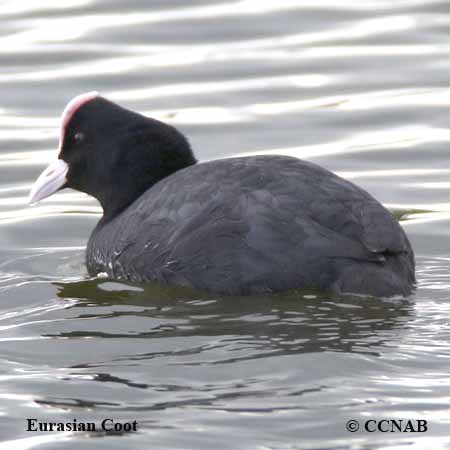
(256, 224)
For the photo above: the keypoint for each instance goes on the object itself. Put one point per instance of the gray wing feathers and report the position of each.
(263, 222)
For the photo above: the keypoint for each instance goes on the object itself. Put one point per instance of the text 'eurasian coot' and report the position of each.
(243, 225)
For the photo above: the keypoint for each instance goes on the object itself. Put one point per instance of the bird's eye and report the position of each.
(79, 137)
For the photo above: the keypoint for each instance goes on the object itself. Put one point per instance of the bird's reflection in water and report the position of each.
(287, 323)
(170, 348)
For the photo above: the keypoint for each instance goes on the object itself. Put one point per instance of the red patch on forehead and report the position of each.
(71, 108)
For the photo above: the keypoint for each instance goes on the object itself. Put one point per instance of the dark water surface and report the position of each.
(361, 87)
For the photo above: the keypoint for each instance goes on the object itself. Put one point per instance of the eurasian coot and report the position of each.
(244, 225)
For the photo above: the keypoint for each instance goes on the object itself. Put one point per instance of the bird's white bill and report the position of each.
(49, 181)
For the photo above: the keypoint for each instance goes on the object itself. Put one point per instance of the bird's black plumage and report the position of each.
(234, 226)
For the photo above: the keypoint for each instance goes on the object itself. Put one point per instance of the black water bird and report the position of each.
(244, 225)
